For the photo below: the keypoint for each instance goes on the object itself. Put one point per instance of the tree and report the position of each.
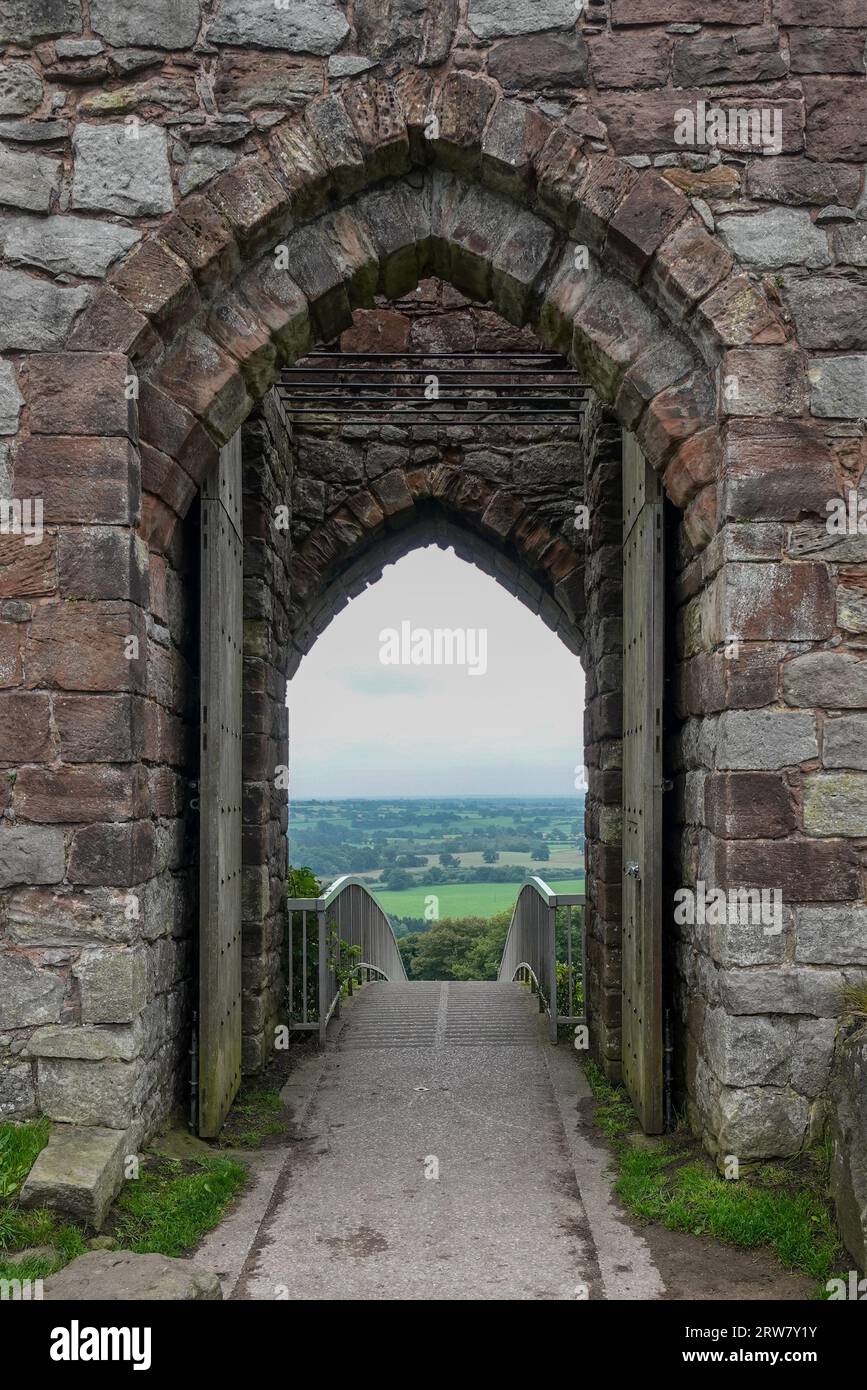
(448, 860)
(490, 856)
(541, 852)
(397, 879)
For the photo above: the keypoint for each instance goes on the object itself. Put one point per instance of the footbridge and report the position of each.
(343, 939)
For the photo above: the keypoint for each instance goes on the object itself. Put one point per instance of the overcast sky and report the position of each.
(361, 728)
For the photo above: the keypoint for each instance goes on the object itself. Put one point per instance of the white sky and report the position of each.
(361, 728)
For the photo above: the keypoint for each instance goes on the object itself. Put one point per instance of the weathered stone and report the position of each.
(80, 393)
(685, 11)
(306, 26)
(787, 990)
(380, 128)
(154, 91)
(687, 265)
(778, 237)
(34, 132)
(765, 739)
(737, 312)
(829, 312)
(107, 1275)
(35, 314)
(768, 602)
(335, 135)
(747, 805)
(28, 180)
(280, 304)
(116, 856)
(831, 935)
(164, 23)
(836, 118)
(304, 167)
(845, 14)
(406, 31)
(30, 854)
(849, 1131)
(115, 171)
(118, 1044)
(826, 50)
(647, 215)
(851, 242)
(310, 261)
(546, 61)
(204, 163)
(28, 995)
(645, 122)
(253, 203)
(762, 1051)
(765, 381)
(748, 56)
(494, 19)
(776, 470)
(17, 1095)
(21, 21)
(78, 48)
(11, 399)
(78, 1173)
(65, 245)
(245, 80)
(513, 137)
(844, 742)
(834, 680)
(103, 1094)
(794, 181)
(835, 803)
(630, 60)
(611, 328)
(838, 387)
(112, 985)
(757, 1122)
(79, 478)
(207, 381)
(347, 65)
(20, 89)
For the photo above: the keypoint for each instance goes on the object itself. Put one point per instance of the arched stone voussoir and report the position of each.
(403, 509)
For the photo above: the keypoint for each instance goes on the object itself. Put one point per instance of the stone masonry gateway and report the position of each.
(194, 196)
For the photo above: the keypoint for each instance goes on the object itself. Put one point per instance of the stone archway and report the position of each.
(163, 365)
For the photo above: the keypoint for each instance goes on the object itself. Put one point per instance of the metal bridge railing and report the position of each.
(541, 948)
(331, 938)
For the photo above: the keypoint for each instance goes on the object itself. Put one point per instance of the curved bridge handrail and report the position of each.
(346, 913)
(531, 945)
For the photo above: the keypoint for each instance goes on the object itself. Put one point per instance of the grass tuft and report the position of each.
(170, 1206)
(782, 1207)
(20, 1146)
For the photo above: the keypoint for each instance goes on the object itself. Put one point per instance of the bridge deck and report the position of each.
(422, 1075)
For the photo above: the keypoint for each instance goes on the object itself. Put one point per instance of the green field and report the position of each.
(462, 899)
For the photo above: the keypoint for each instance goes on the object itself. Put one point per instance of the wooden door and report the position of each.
(220, 791)
(642, 785)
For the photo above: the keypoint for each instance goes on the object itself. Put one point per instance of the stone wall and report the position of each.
(266, 450)
(144, 191)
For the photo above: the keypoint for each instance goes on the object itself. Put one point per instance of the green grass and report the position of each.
(170, 1206)
(26, 1229)
(19, 1148)
(167, 1209)
(257, 1113)
(462, 899)
(782, 1207)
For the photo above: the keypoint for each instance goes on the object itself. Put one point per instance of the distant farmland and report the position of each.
(462, 899)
